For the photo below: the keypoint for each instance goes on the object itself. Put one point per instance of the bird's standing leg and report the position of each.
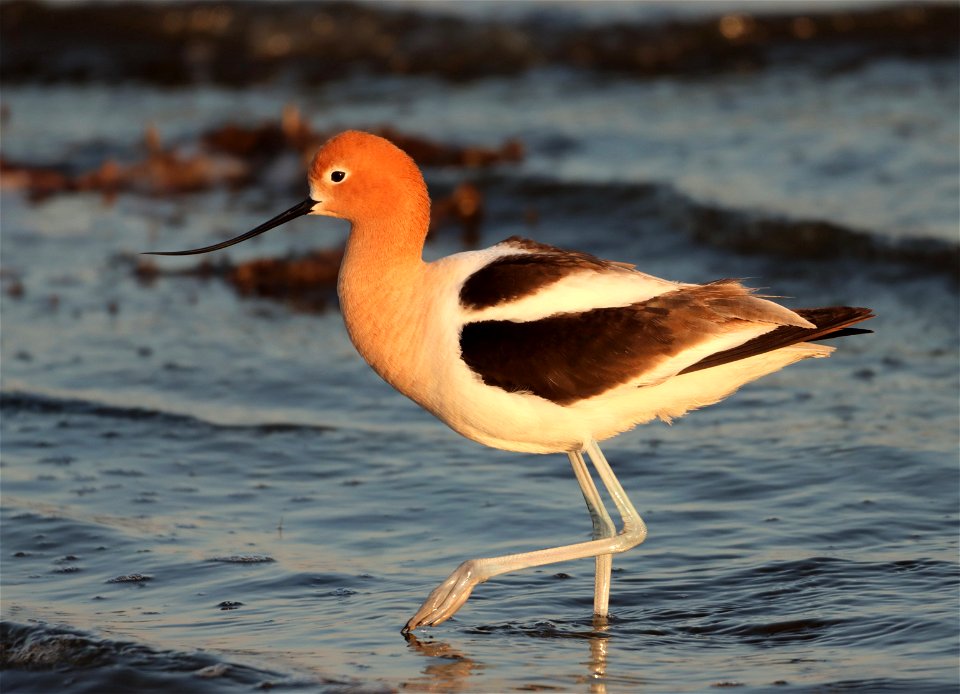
(602, 527)
(450, 595)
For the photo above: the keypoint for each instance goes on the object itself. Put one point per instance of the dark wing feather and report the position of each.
(831, 322)
(514, 276)
(571, 356)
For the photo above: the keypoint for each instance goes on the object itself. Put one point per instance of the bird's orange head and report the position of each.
(365, 178)
(362, 178)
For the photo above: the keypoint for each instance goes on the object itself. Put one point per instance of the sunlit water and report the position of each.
(214, 493)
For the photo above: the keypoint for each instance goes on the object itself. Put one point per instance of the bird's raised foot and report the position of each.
(446, 598)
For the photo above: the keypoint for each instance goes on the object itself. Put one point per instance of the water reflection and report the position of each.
(449, 673)
(597, 664)
(452, 669)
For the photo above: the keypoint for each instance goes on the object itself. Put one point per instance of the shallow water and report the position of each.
(210, 493)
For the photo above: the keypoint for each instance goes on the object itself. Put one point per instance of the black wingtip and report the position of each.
(845, 332)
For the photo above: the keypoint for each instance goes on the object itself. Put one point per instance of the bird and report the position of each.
(527, 347)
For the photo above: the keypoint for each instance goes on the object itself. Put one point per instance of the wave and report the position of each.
(34, 657)
(12, 401)
(747, 232)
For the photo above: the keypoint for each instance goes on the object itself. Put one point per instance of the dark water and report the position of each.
(207, 493)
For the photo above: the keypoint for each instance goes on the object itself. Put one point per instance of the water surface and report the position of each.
(212, 493)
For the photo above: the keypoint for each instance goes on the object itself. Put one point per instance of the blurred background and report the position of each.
(205, 489)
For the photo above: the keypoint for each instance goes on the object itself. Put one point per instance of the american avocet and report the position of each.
(527, 347)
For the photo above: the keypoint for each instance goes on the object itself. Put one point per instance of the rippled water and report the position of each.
(206, 493)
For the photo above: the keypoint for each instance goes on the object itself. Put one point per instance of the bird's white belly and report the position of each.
(510, 421)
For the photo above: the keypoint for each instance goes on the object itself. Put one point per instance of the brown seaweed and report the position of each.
(231, 156)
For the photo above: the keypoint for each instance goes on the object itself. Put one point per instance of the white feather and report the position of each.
(582, 290)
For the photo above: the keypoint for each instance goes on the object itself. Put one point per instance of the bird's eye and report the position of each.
(337, 176)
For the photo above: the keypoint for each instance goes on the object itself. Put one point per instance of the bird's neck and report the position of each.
(379, 282)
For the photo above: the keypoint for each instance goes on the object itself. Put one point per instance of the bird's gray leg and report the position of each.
(602, 527)
(450, 595)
